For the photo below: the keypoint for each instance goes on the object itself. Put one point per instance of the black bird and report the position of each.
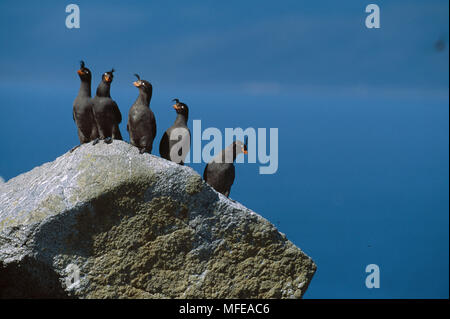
(219, 173)
(141, 121)
(82, 108)
(106, 112)
(177, 135)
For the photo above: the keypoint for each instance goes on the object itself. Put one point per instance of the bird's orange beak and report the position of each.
(107, 78)
(244, 151)
(136, 84)
(80, 72)
(176, 107)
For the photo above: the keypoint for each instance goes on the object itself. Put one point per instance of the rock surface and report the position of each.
(107, 222)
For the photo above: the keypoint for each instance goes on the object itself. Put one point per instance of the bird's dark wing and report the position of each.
(205, 174)
(116, 111)
(164, 146)
(228, 179)
(233, 174)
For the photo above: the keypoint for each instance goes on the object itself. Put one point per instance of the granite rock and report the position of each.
(107, 222)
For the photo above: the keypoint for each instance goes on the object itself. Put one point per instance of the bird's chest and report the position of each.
(83, 105)
(178, 133)
(102, 104)
(221, 169)
(139, 114)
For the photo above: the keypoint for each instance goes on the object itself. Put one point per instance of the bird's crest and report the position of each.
(137, 75)
(82, 64)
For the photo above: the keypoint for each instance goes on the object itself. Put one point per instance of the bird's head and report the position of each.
(108, 76)
(181, 108)
(84, 72)
(241, 147)
(142, 84)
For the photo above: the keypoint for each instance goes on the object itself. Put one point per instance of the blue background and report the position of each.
(363, 114)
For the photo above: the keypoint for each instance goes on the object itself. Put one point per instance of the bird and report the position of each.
(106, 112)
(141, 121)
(82, 108)
(220, 172)
(176, 141)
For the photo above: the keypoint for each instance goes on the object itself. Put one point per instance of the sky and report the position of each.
(362, 114)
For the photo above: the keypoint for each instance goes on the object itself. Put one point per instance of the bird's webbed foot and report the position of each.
(96, 141)
(74, 148)
(108, 140)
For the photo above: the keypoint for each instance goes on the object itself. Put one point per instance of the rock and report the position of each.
(108, 222)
